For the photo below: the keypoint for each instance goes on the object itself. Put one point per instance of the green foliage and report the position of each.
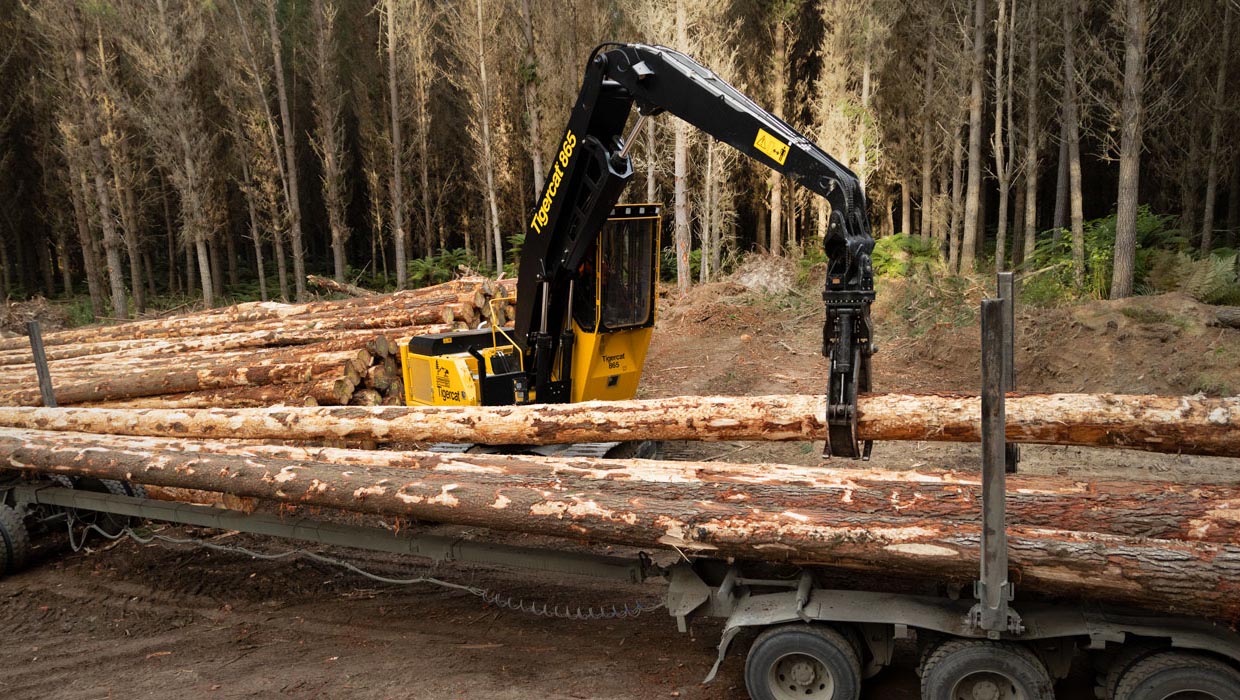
(931, 297)
(437, 269)
(1211, 280)
(513, 264)
(78, 312)
(1053, 280)
(902, 255)
(667, 264)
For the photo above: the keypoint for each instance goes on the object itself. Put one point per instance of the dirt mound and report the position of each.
(1162, 344)
(16, 314)
(767, 274)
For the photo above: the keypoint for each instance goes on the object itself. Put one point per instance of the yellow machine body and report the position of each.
(612, 322)
(445, 380)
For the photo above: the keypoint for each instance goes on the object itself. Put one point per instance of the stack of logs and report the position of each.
(1165, 546)
(255, 354)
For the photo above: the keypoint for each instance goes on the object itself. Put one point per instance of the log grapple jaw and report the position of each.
(847, 340)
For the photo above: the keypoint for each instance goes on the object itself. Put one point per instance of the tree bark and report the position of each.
(774, 179)
(1136, 32)
(1060, 219)
(79, 194)
(1153, 544)
(529, 86)
(927, 145)
(256, 236)
(1151, 423)
(1072, 131)
(1033, 141)
(1216, 126)
(973, 195)
(290, 156)
(957, 213)
(111, 239)
(1233, 205)
(997, 142)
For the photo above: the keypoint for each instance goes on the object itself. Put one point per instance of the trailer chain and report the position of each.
(615, 611)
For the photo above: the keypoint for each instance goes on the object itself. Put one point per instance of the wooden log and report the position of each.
(272, 316)
(366, 397)
(1160, 510)
(339, 287)
(762, 521)
(325, 392)
(1195, 425)
(1228, 316)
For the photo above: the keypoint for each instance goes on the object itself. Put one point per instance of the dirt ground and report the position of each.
(123, 620)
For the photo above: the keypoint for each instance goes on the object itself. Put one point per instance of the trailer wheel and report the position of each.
(1124, 659)
(14, 541)
(1173, 675)
(803, 662)
(961, 669)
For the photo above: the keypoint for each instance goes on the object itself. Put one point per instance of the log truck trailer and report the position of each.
(585, 307)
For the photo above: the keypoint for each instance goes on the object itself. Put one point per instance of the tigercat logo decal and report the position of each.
(553, 186)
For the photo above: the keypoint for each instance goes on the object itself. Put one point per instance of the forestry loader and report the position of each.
(585, 303)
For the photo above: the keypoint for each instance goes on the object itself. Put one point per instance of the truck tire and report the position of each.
(14, 541)
(1124, 659)
(803, 662)
(1175, 675)
(968, 668)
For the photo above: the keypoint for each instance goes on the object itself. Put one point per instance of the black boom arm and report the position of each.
(591, 169)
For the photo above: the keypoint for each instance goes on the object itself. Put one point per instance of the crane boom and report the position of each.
(591, 168)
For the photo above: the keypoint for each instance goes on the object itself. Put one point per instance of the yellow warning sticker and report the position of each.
(773, 147)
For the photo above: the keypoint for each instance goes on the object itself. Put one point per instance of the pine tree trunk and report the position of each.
(927, 146)
(1072, 120)
(774, 180)
(62, 256)
(997, 136)
(1136, 30)
(111, 239)
(680, 174)
(290, 157)
(1190, 180)
(1060, 220)
(651, 154)
(955, 230)
(1216, 126)
(396, 190)
(1233, 205)
(973, 194)
(204, 272)
(171, 237)
(255, 236)
(529, 85)
(1033, 138)
(86, 239)
(488, 155)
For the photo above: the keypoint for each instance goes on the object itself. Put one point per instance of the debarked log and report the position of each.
(1191, 425)
(802, 523)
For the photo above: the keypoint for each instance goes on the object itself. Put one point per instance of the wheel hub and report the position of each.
(802, 673)
(801, 677)
(986, 685)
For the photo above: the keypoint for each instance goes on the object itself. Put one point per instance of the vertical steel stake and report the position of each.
(1006, 286)
(993, 591)
(40, 364)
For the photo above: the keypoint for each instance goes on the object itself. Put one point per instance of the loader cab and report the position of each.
(612, 300)
(614, 305)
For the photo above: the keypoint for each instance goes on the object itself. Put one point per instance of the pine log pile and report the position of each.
(334, 352)
(1170, 424)
(1172, 547)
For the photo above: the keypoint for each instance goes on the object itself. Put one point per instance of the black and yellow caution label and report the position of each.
(771, 146)
(553, 185)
